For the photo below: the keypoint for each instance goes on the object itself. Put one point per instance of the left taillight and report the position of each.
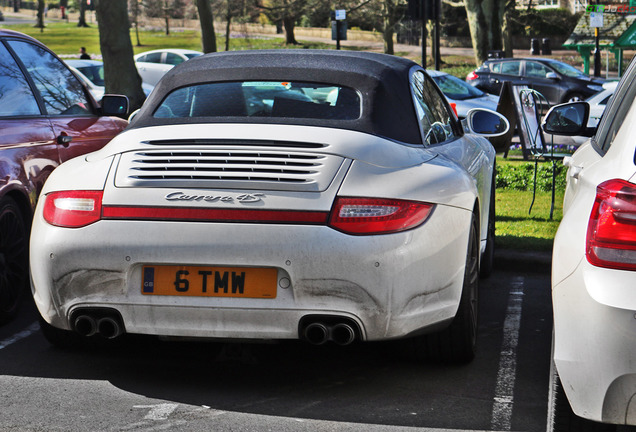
(611, 232)
(73, 209)
(365, 216)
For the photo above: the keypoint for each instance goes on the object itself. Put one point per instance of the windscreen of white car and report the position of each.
(262, 99)
(456, 89)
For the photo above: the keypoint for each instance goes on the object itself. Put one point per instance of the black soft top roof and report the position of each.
(382, 80)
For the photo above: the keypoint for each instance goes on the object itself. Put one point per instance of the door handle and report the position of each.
(64, 140)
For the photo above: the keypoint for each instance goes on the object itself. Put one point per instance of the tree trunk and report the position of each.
(16, 5)
(289, 24)
(484, 21)
(40, 21)
(206, 18)
(82, 14)
(228, 28)
(506, 27)
(388, 28)
(120, 72)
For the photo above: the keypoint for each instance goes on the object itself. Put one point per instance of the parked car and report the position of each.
(461, 95)
(362, 213)
(557, 81)
(46, 117)
(599, 101)
(153, 65)
(594, 270)
(91, 72)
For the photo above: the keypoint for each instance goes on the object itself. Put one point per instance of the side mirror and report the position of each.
(568, 119)
(115, 105)
(552, 75)
(486, 123)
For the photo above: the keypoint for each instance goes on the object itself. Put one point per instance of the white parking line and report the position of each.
(20, 335)
(504, 390)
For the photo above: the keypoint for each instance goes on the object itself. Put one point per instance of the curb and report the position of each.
(523, 261)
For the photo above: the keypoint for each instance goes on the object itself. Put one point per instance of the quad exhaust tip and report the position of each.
(90, 322)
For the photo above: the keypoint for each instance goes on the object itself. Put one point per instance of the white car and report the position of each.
(599, 101)
(594, 270)
(91, 72)
(341, 202)
(461, 95)
(153, 65)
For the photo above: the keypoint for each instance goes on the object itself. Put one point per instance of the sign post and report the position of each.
(596, 21)
(338, 26)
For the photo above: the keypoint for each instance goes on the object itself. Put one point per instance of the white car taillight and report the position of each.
(611, 232)
(73, 209)
(362, 216)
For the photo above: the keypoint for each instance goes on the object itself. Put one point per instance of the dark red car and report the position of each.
(47, 117)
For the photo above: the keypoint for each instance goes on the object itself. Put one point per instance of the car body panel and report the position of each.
(30, 143)
(152, 71)
(594, 307)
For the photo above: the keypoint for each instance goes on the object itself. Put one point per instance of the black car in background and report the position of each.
(557, 81)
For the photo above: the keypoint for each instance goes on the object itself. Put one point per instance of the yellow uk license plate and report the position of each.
(204, 281)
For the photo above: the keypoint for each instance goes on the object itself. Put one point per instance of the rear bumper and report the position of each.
(389, 285)
(595, 343)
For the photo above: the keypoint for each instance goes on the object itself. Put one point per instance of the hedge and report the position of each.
(521, 176)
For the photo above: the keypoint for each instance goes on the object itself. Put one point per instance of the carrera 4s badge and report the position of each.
(242, 198)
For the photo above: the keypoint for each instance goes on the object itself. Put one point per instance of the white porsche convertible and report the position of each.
(319, 195)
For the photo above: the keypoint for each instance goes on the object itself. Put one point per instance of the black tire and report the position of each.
(487, 261)
(14, 259)
(561, 417)
(60, 338)
(574, 97)
(457, 343)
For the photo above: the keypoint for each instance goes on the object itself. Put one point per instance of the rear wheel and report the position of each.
(456, 343)
(574, 97)
(14, 258)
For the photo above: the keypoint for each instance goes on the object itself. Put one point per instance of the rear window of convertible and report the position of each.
(262, 99)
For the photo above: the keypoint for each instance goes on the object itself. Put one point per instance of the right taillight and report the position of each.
(471, 76)
(611, 232)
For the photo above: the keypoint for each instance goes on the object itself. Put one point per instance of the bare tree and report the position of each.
(40, 18)
(135, 13)
(82, 14)
(206, 18)
(120, 73)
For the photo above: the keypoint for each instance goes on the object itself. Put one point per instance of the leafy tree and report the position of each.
(289, 12)
(120, 73)
(485, 19)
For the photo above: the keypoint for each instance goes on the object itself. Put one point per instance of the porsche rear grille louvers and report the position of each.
(227, 169)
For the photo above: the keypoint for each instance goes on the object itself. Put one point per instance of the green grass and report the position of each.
(516, 228)
(65, 39)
